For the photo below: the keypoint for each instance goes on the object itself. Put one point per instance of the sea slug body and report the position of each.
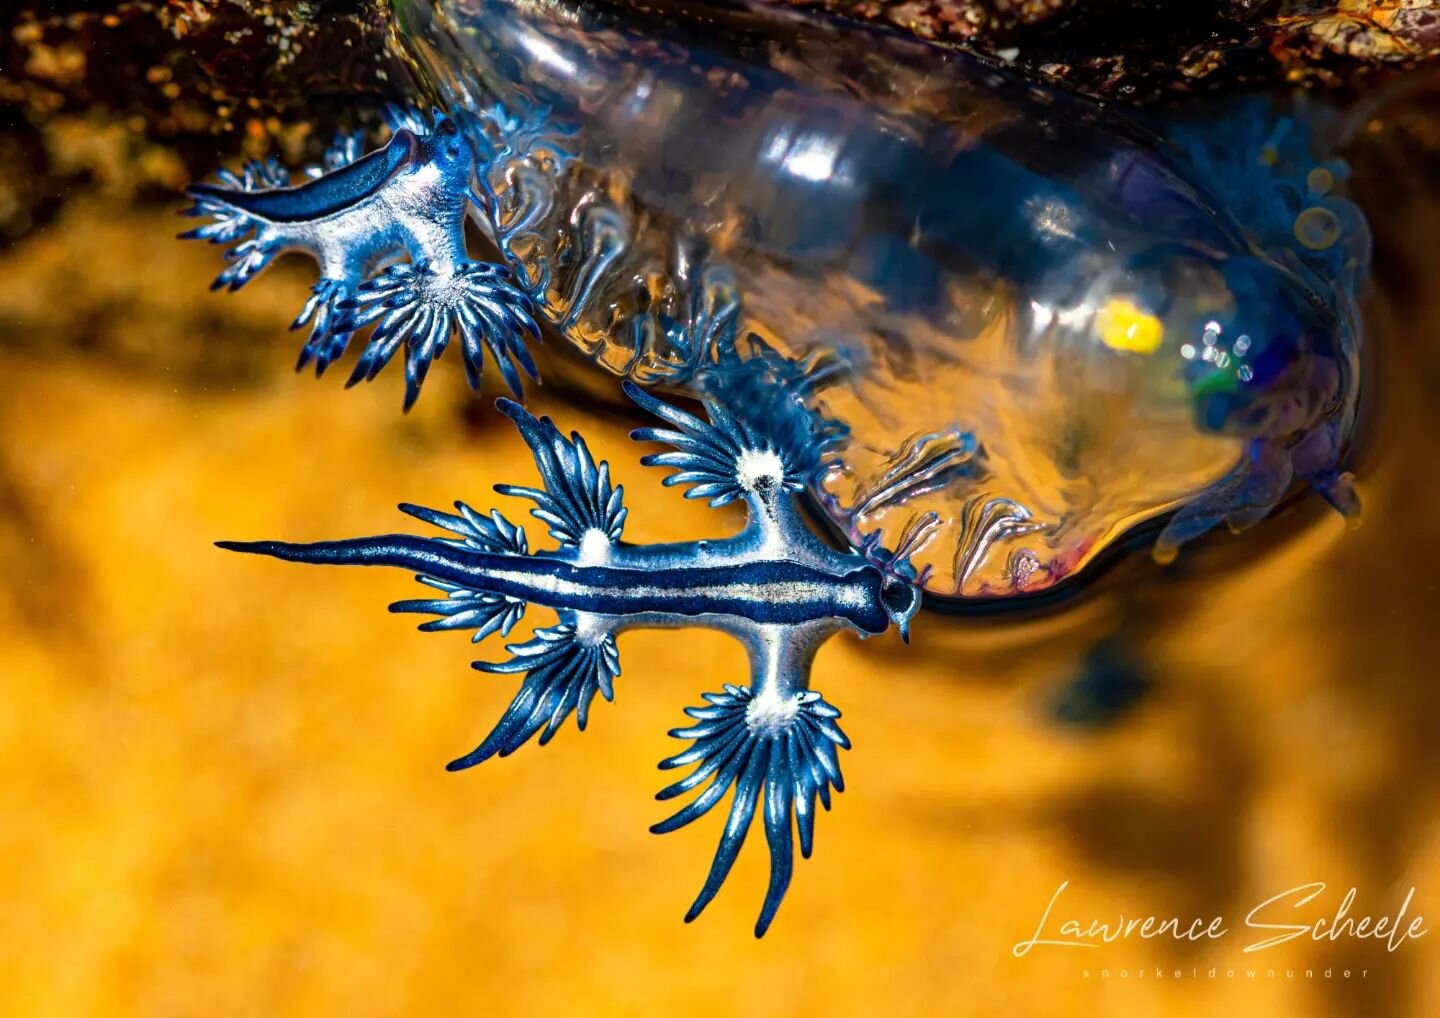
(774, 586)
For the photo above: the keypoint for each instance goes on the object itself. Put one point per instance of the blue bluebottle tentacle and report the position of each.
(780, 757)
(565, 666)
(1273, 173)
(1270, 169)
(703, 334)
(1241, 500)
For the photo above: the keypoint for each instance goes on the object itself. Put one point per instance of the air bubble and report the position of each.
(1317, 228)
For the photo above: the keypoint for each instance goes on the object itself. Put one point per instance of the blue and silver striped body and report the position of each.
(658, 585)
(775, 587)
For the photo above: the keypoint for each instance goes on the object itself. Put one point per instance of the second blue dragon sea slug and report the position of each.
(408, 199)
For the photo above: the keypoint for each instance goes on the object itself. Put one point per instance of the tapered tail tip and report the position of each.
(274, 549)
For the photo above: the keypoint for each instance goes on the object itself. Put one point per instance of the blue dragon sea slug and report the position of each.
(774, 586)
(356, 218)
(1055, 324)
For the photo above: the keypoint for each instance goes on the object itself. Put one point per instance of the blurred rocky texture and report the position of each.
(139, 97)
(196, 68)
(135, 99)
(1142, 49)
(107, 110)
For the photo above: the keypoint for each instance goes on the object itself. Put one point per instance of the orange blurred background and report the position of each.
(223, 780)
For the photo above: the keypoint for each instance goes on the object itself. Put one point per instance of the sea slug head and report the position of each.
(898, 585)
(901, 600)
(454, 150)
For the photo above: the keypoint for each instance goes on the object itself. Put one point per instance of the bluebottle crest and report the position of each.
(1277, 179)
(358, 217)
(773, 744)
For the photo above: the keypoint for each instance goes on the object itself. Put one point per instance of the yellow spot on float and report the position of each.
(1122, 325)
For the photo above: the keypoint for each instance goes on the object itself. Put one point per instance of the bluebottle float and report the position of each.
(774, 586)
(1055, 326)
